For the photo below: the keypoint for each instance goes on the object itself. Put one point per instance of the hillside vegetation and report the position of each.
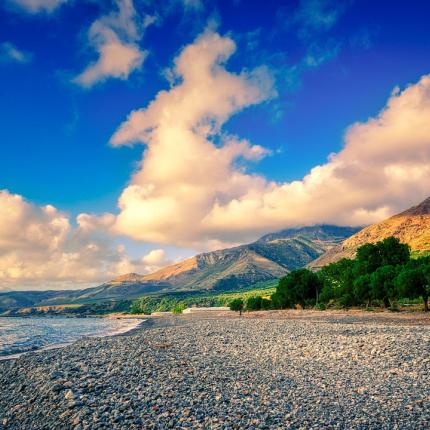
(169, 302)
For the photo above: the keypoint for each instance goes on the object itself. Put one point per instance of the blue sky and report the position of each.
(55, 135)
(332, 64)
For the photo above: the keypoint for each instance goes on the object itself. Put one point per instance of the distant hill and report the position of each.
(270, 257)
(411, 226)
(117, 289)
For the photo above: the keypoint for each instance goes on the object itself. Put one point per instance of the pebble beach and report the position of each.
(271, 372)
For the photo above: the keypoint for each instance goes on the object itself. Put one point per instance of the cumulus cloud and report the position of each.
(10, 53)
(155, 259)
(184, 171)
(37, 6)
(193, 188)
(40, 248)
(115, 38)
(383, 168)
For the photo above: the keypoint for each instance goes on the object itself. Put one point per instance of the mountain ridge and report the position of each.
(268, 258)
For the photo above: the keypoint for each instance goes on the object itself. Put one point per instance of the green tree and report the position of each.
(393, 252)
(337, 282)
(254, 303)
(383, 285)
(368, 258)
(362, 290)
(414, 280)
(388, 252)
(237, 305)
(298, 287)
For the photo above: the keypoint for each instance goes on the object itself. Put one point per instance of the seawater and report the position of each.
(19, 335)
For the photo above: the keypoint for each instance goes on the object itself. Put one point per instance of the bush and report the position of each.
(266, 304)
(178, 309)
(237, 305)
(254, 303)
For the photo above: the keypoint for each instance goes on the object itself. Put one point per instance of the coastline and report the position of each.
(120, 332)
(290, 370)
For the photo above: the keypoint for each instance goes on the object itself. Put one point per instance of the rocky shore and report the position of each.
(331, 372)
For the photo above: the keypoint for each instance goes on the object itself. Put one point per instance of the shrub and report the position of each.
(266, 304)
(254, 303)
(320, 306)
(178, 309)
(237, 305)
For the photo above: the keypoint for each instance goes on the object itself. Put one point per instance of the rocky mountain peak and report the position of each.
(419, 210)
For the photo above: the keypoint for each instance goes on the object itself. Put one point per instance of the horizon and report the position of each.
(140, 134)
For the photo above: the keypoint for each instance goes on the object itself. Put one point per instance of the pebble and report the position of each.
(227, 373)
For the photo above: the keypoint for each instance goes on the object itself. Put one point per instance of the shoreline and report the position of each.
(307, 371)
(121, 332)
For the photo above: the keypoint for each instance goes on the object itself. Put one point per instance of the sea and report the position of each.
(21, 335)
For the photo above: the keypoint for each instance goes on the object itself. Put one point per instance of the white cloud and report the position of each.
(10, 53)
(37, 6)
(383, 168)
(183, 172)
(154, 257)
(115, 37)
(40, 249)
(192, 190)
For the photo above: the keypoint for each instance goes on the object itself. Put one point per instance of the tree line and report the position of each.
(379, 275)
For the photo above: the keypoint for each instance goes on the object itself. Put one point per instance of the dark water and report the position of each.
(18, 335)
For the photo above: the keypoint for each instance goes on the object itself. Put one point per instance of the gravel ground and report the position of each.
(223, 373)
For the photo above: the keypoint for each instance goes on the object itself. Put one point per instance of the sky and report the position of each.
(136, 133)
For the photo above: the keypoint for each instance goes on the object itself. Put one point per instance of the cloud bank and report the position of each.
(192, 188)
(115, 38)
(40, 248)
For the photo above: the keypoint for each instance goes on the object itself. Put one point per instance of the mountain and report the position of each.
(411, 226)
(270, 257)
